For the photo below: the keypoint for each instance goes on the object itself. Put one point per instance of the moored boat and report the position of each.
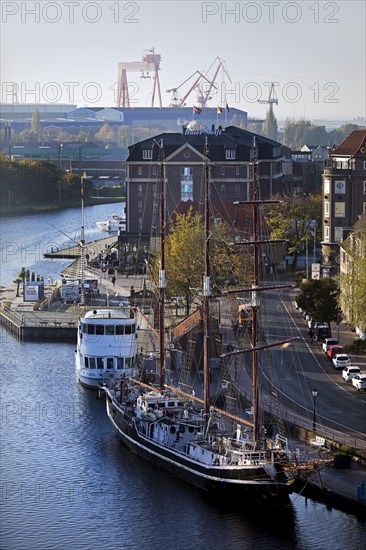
(114, 224)
(106, 346)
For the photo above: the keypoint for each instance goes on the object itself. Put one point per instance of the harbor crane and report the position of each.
(150, 63)
(272, 98)
(204, 85)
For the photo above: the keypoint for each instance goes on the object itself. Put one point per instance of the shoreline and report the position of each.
(13, 211)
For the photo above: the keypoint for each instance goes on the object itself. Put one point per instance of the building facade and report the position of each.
(344, 194)
(230, 168)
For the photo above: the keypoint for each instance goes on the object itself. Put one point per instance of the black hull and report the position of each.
(239, 484)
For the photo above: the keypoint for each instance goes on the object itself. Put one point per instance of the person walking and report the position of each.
(113, 280)
(311, 335)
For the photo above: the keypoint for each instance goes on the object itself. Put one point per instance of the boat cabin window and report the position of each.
(129, 329)
(99, 362)
(128, 362)
(91, 362)
(171, 404)
(120, 329)
(109, 330)
(120, 361)
(109, 362)
(99, 329)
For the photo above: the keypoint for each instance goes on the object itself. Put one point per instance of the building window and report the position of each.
(237, 191)
(338, 234)
(139, 223)
(326, 209)
(223, 170)
(237, 171)
(139, 207)
(139, 190)
(186, 183)
(154, 171)
(230, 154)
(339, 209)
(364, 207)
(139, 171)
(326, 233)
(326, 186)
(147, 154)
(222, 191)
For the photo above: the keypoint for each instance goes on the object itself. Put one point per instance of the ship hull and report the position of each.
(251, 484)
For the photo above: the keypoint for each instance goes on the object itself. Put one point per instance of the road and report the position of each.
(302, 367)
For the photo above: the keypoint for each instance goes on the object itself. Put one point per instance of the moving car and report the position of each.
(341, 361)
(359, 381)
(329, 342)
(322, 331)
(349, 372)
(334, 350)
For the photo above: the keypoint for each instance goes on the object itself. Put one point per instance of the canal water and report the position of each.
(67, 482)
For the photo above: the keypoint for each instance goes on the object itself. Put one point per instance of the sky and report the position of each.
(68, 51)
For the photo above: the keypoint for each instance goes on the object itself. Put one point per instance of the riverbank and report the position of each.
(6, 212)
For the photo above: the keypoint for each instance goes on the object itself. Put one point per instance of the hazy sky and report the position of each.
(68, 51)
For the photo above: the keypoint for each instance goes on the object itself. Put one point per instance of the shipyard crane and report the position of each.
(204, 92)
(150, 63)
(272, 98)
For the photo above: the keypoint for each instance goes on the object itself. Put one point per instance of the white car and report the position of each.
(359, 381)
(349, 372)
(340, 361)
(329, 342)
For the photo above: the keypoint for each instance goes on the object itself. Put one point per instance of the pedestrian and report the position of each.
(311, 335)
(113, 280)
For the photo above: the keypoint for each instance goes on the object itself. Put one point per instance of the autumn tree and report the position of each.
(353, 280)
(184, 257)
(270, 128)
(292, 219)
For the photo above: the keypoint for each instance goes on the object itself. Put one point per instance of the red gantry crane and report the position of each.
(150, 63)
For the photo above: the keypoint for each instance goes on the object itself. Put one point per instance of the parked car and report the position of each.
(334, 350)
(329, 342)
(349, 372)
(341, 361)
(322, 331)
(359, 381)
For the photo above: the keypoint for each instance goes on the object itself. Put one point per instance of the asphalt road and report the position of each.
(302, 367)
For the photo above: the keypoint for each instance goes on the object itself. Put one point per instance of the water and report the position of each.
(68, 482)
(24, 239)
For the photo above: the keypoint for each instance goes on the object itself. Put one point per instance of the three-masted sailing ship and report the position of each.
(205, 446)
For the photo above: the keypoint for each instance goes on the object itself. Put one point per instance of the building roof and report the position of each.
(217, 141)
(352, 144)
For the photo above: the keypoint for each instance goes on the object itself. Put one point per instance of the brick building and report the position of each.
(231, 172)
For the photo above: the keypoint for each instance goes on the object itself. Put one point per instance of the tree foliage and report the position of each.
(297, 134)
(184, 257)
(319, 298)
(292, 219)
(37, 182)
(353, 281)
(270, 128)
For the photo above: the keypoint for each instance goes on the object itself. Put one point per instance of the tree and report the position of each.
(36, 128)
(353, 280)
(270, 128)
(184, 257)
(292, 220)
(297, 134)
(319, 298)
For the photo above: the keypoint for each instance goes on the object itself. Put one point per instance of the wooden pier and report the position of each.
(73, 252)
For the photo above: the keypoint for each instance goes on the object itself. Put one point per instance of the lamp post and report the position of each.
(59, 155)
(315, 393)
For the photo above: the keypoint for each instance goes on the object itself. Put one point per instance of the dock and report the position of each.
(73, 252)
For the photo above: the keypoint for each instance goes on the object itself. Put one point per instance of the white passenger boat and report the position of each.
(106, 347)
(114, 224)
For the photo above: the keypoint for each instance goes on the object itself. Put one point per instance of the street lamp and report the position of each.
(59, 155)
(315, 393)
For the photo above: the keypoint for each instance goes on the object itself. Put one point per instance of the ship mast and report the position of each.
(162, 269)
(255, 388)
(206, 291)
(82, 243)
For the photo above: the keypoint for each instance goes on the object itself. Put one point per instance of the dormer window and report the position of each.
(230, 154)
(147, 154)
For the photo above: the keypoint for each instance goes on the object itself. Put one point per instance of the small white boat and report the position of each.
(114, 224)
(106, 347)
